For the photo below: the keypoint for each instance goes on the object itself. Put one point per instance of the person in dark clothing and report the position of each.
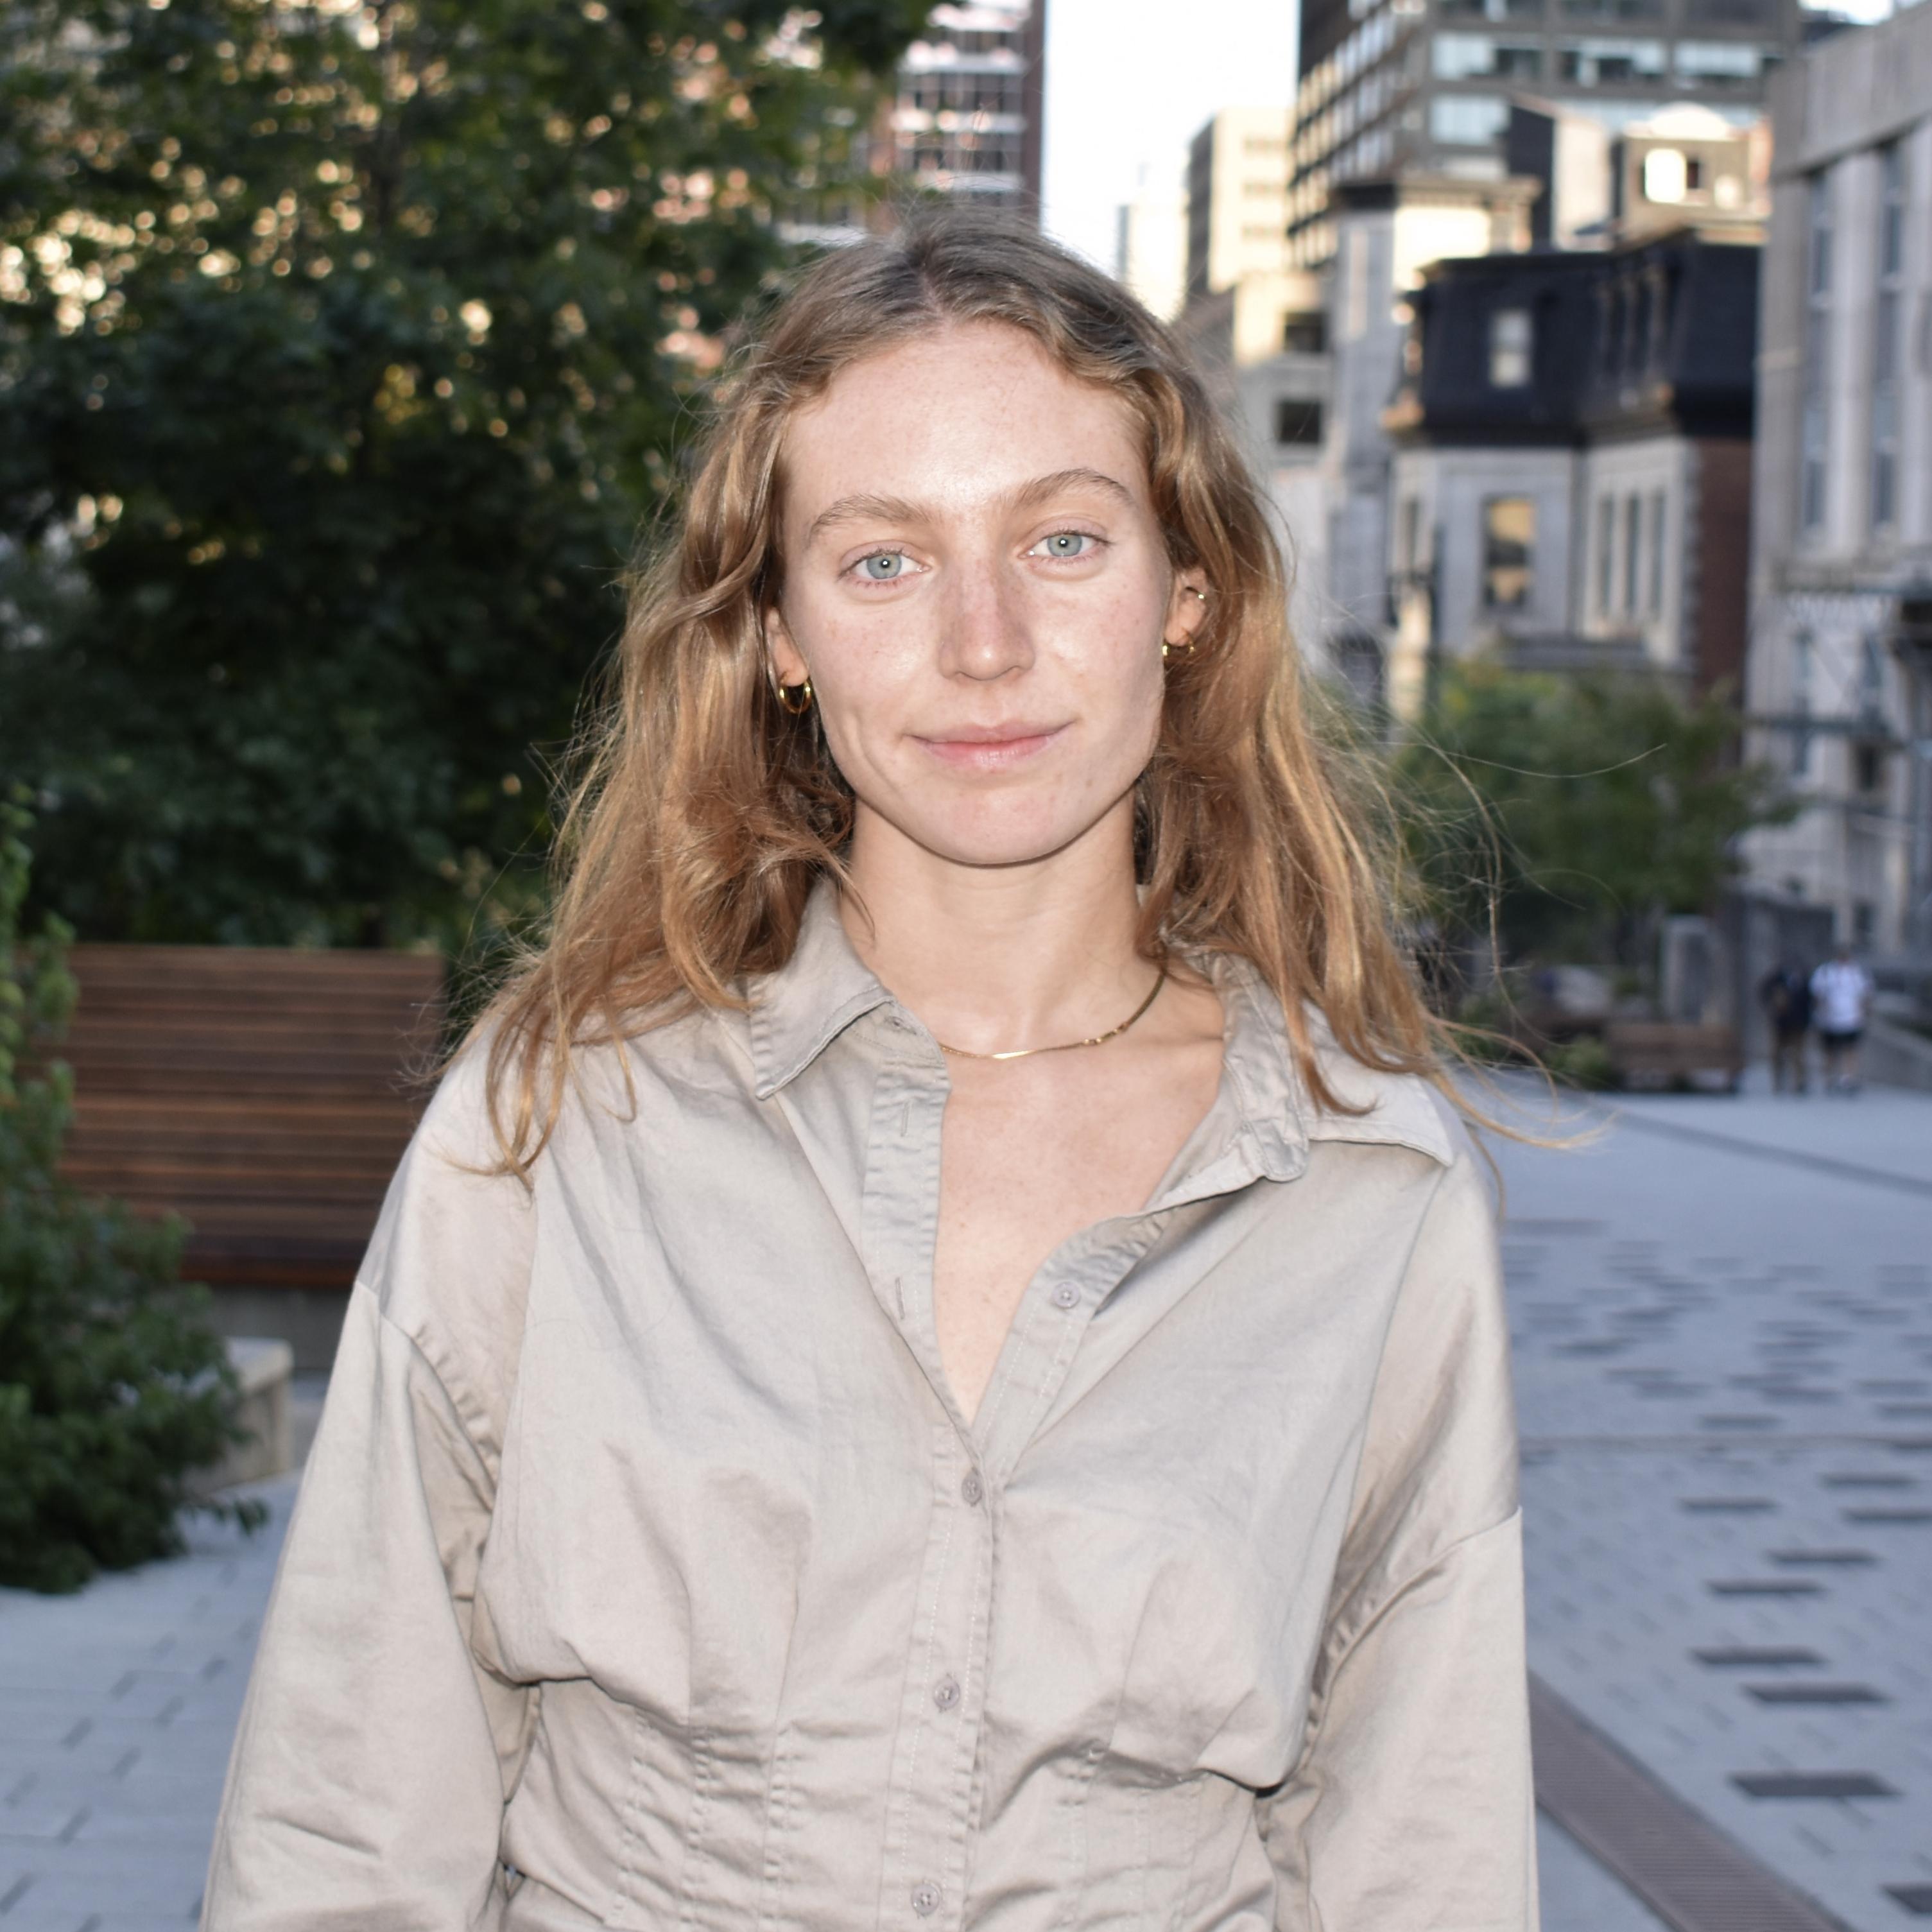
(1786, 996)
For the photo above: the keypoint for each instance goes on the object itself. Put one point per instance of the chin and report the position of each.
(998, 832)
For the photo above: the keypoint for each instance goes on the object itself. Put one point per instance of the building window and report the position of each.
(1885, 342)
(1613, 10)
(1512, 348)
(1461, 56)
(1659, 505)
(1871, 679)
(1868, 766)
(1594, 63)
(1717, 63)
(1633, 552)
(1817, 352)
(1467, 120)
(1305, 333)
(1800, 703)
(1667, 176)
(1296, 421)
(1606, 546)
(1509, 547)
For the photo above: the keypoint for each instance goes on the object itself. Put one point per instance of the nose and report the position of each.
(987, 635)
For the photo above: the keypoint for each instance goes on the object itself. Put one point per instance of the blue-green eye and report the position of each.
(1066, 543)
(883, 566)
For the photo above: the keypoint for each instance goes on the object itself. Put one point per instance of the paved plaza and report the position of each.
(1723, 1311)
(1723, 1320)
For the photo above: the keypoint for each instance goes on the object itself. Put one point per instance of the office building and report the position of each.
(1388, 87)
(1839, 684)
(1257, 330)
(1150, 244)
(966, 120)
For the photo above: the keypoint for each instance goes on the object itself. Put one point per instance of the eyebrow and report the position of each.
(865, 505)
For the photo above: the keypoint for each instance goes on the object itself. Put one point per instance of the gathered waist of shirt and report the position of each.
(753, 1832)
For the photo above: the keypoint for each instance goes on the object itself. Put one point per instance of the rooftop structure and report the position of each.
(1386, 86)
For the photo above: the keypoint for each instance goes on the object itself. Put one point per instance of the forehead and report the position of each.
(964, 412)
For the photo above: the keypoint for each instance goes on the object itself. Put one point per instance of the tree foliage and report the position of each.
(1577, 810)
(113, 1388)
(342, 347)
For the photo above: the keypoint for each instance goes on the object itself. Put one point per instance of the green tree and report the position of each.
(342, 347)
(113, 1388)
(1577, 809)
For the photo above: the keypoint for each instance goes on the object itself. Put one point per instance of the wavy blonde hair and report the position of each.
(705, 813)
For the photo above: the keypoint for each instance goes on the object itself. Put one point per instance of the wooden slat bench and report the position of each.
(265, 1096)
(1644, 1051)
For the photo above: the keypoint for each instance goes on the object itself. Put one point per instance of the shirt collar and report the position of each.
(797, 1011)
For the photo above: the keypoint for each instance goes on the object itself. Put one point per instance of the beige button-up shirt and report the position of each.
(646, 1573)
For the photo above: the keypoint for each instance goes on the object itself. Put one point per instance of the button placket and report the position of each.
(931, 1799)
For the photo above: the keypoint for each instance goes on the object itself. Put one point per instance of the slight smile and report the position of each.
(992, 747)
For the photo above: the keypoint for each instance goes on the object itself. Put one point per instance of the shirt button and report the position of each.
(1066, 1296)
(972, 1489)
(925, 1899)
(946, 1693)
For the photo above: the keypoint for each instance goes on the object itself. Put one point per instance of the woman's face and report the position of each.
(976, 586)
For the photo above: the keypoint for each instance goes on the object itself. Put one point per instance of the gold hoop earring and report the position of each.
(1177, 647)
(804, 703)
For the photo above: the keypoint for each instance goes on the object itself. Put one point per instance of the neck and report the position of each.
(993, 958)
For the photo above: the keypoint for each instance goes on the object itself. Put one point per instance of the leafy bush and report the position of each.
(1568, 814)
(113, 1388)
(1584, 1062)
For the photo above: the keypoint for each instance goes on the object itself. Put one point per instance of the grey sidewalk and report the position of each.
(1724, 1361)
(1723, 1318)
(116, 1709)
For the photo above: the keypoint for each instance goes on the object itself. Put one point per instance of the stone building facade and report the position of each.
(1840, 684)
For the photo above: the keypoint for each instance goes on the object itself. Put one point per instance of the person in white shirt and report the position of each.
(1839, 990)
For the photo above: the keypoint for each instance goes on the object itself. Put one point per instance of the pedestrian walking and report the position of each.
(939, 1359)
(1786, 996)
(1841, 991)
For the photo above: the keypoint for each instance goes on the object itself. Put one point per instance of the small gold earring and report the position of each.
(804, 703)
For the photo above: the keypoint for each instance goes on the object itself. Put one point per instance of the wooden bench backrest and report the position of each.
(264, 1095)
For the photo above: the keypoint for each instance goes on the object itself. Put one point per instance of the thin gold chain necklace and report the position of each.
(1065, 1045)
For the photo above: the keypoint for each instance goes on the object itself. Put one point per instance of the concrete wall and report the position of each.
(1825, 599)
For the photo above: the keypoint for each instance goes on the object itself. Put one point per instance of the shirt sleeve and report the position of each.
(1413, 1807)
(377, 1745)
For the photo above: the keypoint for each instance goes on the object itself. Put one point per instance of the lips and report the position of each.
(992, 747)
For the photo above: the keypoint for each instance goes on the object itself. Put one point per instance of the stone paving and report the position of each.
(1724, 1319)
(116, 1709)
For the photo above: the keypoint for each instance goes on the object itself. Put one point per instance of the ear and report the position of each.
(1187, 605)
(788, 664)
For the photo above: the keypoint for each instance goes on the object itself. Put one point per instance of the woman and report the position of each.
(944, 1364)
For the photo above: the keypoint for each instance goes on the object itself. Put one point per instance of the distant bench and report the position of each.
(264, 1095)
(1648, 1052)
